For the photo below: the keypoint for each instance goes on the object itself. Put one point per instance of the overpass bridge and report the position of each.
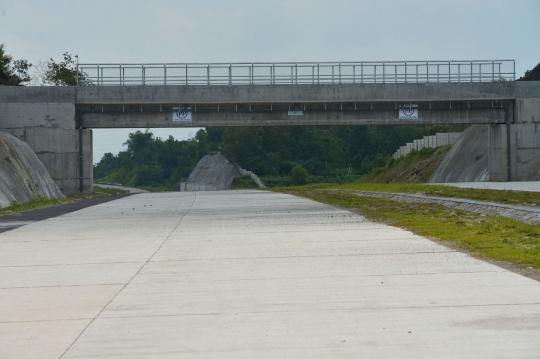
(56, 121)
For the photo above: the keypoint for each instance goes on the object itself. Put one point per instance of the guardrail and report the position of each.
(258, 73)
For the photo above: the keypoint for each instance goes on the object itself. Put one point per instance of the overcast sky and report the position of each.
(268, 30)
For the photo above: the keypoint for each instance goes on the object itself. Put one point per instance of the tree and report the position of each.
(16, 70)
(63, 73)
(299, 175)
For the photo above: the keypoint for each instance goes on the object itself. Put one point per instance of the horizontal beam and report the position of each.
(296, 93)
(281, 118)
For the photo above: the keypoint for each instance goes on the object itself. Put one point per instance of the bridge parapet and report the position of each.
(294, 73)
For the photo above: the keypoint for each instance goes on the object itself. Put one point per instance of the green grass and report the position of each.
(109, 191)
(16, 207)
(164, 188)
(499, 196)
(487, 237)
(243, 182)
(416, 167)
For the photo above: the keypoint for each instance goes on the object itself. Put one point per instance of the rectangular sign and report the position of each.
(296, 113)
(408, 112)
(182, 114)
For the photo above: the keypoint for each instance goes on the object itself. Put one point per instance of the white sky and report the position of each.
(268, 30)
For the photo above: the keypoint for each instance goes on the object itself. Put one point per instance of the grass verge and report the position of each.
(486, 237)
(499, 196)
(36, 203)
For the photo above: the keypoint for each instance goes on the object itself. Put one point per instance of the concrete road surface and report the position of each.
(251, 274)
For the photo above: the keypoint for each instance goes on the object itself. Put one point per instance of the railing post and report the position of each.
(143, 75)
(493, 70)
(340, 73)
(405, 71)
(208, 74)
(471, 72)
(480, 72)
(230, 74)
(383, 73)
(165, 74)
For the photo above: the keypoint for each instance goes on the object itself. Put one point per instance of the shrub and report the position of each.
(299, 175)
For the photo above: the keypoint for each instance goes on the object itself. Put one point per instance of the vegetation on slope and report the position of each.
(416, 167)
(243, 182)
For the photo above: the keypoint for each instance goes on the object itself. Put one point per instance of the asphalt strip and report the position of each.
(16, 220)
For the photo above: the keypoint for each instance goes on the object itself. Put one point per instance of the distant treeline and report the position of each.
(319, 154)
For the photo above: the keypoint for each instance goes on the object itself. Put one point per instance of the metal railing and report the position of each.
(295, 73)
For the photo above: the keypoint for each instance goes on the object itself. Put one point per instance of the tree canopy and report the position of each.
(49, 72)
(17, 71)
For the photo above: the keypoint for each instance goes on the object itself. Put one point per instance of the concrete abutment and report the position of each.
(44, 117)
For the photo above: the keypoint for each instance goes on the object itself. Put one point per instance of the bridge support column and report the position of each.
(58, 149)
(524, 143)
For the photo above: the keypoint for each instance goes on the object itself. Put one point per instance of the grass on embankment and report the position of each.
(487, 237)
(243, 182)
(416, 167)
(17, 207)
(499, 196)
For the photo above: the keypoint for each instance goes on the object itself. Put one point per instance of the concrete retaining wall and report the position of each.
(215, 173)
(437, 140)
(22, 175)
(45, 118)
(253, 176)
(467, 161)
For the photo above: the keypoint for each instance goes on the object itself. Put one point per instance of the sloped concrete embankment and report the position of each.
(467, 161)
(22, 175)
(214, 173)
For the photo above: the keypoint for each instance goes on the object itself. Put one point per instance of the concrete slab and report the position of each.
(245, 274)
